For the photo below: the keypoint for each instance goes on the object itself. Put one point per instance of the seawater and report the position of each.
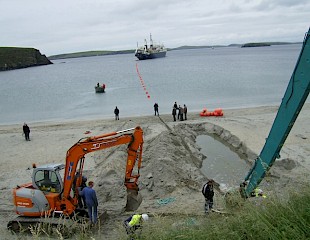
(226, 77)
(222, 164)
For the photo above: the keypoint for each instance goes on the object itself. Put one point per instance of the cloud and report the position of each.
(56, 27)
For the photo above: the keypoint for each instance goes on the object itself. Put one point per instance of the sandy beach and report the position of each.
(171, 158)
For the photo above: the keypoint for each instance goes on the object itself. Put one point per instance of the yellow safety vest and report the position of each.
(135, 220)
(257, 193)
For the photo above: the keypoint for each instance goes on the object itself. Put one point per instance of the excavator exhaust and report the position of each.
(134, 200)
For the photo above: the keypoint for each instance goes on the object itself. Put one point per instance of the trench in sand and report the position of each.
(222, 163)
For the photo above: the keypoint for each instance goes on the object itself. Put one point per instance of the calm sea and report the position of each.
(228, 77)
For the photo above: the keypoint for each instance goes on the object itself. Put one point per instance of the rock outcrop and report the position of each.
(15, 58)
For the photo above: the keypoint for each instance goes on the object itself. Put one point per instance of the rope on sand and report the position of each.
(165, 201)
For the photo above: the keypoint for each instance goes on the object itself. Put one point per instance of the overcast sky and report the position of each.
(66, 26)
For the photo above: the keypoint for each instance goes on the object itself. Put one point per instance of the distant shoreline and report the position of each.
(107, 52)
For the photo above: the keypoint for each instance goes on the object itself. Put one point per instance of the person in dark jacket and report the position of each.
(175, 105)
(81, 199)
(116, 112)
(26, 131)
(156, 109)
(208, 193)
(185, 112)
(174, 113)
(181, 112)
(91, 201)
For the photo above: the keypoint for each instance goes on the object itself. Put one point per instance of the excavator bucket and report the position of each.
(134, 199)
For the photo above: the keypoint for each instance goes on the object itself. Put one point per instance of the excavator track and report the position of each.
(47, 225)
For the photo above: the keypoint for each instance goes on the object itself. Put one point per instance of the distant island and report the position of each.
(15, 58)
(256, 45)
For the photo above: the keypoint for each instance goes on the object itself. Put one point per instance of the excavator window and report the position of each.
(47, 181)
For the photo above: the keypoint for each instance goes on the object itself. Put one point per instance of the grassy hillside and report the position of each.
(256, 218)
(15, 58)
(88, 54)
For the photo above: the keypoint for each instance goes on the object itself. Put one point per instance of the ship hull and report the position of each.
(145, 56)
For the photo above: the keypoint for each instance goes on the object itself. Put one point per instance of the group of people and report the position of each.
(87, 199)
(179, 111)
(182, 112)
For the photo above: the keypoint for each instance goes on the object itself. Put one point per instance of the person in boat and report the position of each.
(97, 84)
(103, 86)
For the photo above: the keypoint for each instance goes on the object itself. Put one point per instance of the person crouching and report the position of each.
(134, 223)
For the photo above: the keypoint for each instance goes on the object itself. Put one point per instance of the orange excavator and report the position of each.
(49, 195)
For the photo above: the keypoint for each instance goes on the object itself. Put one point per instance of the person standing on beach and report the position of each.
(181, 112)
(175, 105)
(208, 193)
(26, 131)
(91, 201)
(156, 109)
(116, 112)
(174, 113)
(185, 112)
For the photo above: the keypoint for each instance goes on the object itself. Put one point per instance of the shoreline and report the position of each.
(111, 118)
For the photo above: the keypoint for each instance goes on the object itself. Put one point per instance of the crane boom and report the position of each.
(294, 98)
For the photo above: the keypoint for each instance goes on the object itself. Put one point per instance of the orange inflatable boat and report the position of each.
(217, 112)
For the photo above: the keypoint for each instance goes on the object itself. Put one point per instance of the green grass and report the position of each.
(256, 219)
(88, 54)
(15, 58)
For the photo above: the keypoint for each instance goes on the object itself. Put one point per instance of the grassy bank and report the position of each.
(251, 219)
(256, 219)
(15, 58)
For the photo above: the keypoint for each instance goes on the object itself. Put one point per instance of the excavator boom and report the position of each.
(49, 193)
(294, 98)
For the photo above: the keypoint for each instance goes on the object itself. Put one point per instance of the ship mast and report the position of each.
(151, 41)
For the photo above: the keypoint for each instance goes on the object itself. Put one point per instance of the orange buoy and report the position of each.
(216, 112)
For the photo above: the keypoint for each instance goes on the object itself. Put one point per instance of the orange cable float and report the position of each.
(218, 112)
(142, 82)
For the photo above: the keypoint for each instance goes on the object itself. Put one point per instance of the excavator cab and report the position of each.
(47, 178)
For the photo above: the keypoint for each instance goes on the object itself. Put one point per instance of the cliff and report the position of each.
(15, 58)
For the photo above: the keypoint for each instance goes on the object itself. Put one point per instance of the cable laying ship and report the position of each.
(150, 52)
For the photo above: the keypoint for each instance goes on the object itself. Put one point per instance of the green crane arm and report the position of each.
(294, 98)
